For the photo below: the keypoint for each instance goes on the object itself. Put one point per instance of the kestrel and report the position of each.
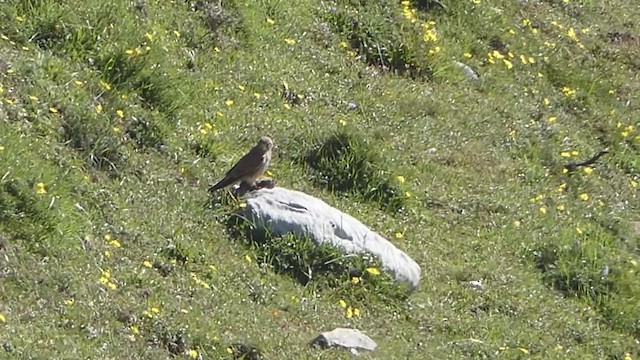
(250, 167)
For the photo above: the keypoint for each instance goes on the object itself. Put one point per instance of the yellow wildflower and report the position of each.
(584, 196)
(2, 318)
(270, 21)
(543, 210)
(193, 354)
(147, 264)
(229, 102)
(40, 188)
(349, 313)
(120, 113)
(569, 92)
(399, 235)
(105, 85)
(372, 271)
(588, 170)
(53, 110)
(342, 303)
(289, 41)
(400, 179)
(355, 280)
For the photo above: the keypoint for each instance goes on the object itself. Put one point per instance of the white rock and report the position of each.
(284, 211)
(347, 338)
(468, 71)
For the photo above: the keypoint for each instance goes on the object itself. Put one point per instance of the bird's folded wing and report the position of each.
(248, 165)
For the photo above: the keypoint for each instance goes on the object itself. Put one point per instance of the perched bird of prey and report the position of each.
(250, 167)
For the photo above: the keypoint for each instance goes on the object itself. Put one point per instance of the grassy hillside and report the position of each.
(116, 116)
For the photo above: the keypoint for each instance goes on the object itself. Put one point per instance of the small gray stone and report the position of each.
(468, 71)
(282, 211)
(345, 338)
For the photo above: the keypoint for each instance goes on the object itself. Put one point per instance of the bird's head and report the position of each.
(265, 143)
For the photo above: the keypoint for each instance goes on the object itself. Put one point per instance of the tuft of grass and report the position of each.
(116, 116)
(346, 163)
(374, 30)
(355, 278)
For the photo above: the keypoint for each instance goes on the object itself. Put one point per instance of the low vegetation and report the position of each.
(115, 117)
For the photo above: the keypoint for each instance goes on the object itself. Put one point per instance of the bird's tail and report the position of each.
(220, 184)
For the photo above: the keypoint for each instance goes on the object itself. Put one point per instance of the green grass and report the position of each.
(116, 117)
